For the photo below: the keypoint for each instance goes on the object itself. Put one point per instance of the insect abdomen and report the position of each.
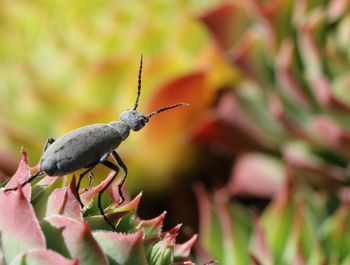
(79, 148)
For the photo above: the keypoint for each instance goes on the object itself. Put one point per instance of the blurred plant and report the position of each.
(296, 228)
(287, 112)
(44, 224)
(291, 101)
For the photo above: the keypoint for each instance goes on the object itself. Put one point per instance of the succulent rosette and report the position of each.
(287, 113)
(44, 224)
(290, 100)
(295, 228)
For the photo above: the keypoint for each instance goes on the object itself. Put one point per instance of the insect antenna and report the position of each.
(149, 115)
(139, 84)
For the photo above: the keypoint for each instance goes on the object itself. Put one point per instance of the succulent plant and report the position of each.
(291, 99)
(287, 113)
(295, 228)
(43, 224)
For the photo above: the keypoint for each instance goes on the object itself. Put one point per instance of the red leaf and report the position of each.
(172, 233)
(183, 250)
(63, 202)
(257, 175)
(114, 193)
(44, 256)
(130, 206)
(19, 228)
(185, 89)
(88, 195)
(152, 227)
(21, 175)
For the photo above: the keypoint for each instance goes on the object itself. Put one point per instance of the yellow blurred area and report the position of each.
(66, 64)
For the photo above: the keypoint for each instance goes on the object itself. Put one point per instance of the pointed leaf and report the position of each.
(122, 249)
(63, 202)
(211, 235)
(260, 248)
(130, 206)
(235, 244)
(281, 214)
(289, 84)
(21, 175)
(97, 222)
(172, 231)
(79, 240)
(183, 250)
(152, 227)
(88, 195)
(19, 228)
(161, 252)
(42, 191)
(54, 239)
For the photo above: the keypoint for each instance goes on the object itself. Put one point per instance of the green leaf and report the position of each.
(277, 222)
(122, 249)
(79, 240)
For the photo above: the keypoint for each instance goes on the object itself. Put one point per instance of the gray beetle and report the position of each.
(88, 146)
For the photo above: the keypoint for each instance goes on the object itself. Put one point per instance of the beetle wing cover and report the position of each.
(80, 148)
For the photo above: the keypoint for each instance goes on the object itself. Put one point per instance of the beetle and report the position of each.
(91, 145)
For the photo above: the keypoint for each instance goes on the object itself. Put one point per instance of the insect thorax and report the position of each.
(122, 128)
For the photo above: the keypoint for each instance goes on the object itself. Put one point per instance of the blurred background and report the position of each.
(264, 146)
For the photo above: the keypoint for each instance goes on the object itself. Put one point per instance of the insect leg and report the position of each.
(116, 170)
(30, 179)
(91, 176)
(79, 181)
(125, 169)
(48, 142)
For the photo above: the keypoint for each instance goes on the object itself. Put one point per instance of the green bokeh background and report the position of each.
(65, 64)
